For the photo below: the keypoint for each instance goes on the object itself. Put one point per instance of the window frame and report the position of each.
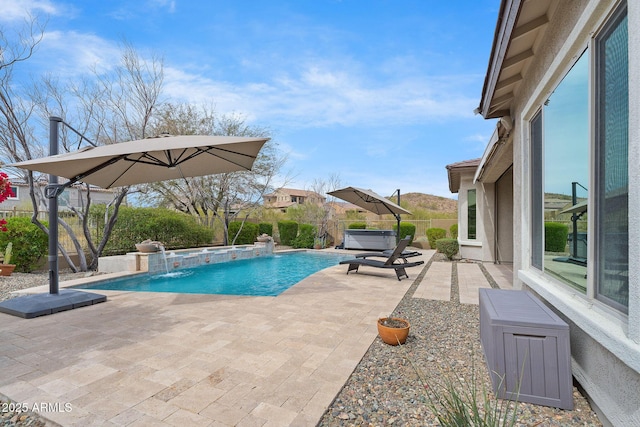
(610, 25)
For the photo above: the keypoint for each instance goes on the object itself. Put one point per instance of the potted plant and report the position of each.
(6, 268)
(393, 330)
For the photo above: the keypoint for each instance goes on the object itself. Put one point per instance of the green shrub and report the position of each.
(357, 226)
(449, 247)
(555, 237)
(434, 234)
(406, 229)
(453, 231)
(288, 231)
(306, 238)
(265, 228)
(176, 230)
(30, 243)
(248, 233)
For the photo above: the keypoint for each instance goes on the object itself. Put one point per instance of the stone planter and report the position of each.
(147, 247)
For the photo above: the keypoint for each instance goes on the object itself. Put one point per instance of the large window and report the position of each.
(561, 171)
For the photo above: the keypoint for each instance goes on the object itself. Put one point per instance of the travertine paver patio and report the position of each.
(154, 359)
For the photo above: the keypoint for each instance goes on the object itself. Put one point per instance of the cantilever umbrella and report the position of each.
(370, 201)
(117, 165)
(151, 160)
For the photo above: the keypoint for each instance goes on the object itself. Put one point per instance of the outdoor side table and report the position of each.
(526, 346)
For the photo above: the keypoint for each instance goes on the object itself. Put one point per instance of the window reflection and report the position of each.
(566, 174)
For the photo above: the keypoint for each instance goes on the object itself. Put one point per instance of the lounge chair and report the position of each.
(387, 253)
(394, 261)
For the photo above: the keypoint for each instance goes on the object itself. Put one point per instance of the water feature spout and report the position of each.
(164, 256)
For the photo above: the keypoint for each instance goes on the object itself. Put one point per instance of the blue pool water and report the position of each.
(262, 276)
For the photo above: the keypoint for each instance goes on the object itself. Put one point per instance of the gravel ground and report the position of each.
(390, 384)
(385, 388)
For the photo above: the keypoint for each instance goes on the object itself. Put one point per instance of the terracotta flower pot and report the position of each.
(6, 269)
(395, 332)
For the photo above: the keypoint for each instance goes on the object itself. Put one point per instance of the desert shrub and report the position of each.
(248, 232)
(406, 229)
(449, 247)
(288, 231)
(434, 234)
(265, 228)
(555, 236)
(357, 226)
(175, 230)
(306, 238)
(30, 243)
(453, 231)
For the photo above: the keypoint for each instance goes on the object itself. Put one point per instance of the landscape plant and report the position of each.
(288, 231)
(457, 403)
(357, 226)
(243, 233)
(175, 230)
(453, 231)
(265, 228)
(306, 238)
(555, 236)
(406, 229)
(29, 243)
(435, 233)
(448, 247)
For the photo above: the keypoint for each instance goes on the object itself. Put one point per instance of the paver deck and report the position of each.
(160, 359)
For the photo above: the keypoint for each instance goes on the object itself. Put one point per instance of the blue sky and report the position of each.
(380, 93)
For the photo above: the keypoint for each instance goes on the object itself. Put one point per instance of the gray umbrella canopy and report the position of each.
(369, 200)
(151, 160)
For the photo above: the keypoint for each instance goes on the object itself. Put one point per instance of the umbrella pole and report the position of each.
(398, 218)
(53, 210)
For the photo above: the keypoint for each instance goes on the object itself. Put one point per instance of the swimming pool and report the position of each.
(263, 276)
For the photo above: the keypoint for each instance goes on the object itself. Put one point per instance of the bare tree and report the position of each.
(15, 110)
(221, 197)
(107, 109)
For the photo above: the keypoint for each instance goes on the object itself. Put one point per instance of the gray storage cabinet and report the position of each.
(526, 346)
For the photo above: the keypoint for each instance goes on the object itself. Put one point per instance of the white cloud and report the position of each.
(18, 10)
(169, 5)
(320, 96)
(72, 53)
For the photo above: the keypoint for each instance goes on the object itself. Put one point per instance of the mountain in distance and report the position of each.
(429, 202)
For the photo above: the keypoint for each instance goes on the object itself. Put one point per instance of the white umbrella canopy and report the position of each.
(369, 200)
(151, 160)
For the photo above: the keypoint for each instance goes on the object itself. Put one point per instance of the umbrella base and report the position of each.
(31, 306)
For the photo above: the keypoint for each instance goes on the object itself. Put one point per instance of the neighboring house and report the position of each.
(564, 83)
(284, 198)
(71, 197)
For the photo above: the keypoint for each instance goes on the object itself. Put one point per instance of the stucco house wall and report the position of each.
(605, 342)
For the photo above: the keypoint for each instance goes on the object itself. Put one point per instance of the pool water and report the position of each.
(262, 276)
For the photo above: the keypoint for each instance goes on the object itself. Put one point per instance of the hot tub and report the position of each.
(376, 240)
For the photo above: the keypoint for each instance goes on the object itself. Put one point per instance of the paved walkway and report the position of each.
(159, 359)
